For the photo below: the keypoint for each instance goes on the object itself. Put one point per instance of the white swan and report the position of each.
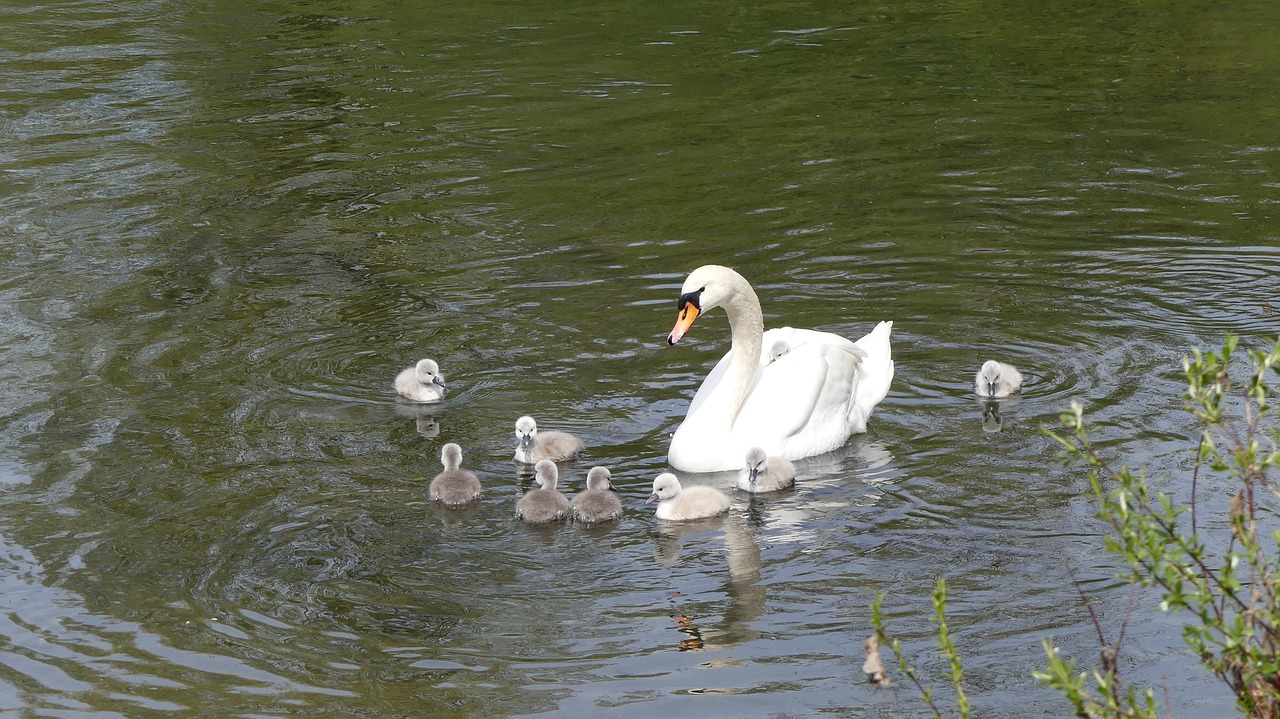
(454, 486)
(806, 401)
(544, 504)
(421, 383)
(681, 504)
(763, 473)
(533, 446)
(599, 503)
(997, 379)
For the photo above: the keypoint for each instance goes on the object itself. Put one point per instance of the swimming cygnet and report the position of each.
(421, 383)
(692, 503)
(454, 486)
(763, 473)
(599, 503)
(533, 446)
(997, 379)
(544, 504)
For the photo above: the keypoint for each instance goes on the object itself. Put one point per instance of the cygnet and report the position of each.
(682, 504)
(533, 446)
(421, 383)
(763, 473)
(544, 504)
(776, 350)
(454, 486)
(997, 379)
(599, 503)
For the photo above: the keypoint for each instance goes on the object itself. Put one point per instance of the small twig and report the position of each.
(1195, 475)
(1128, 611)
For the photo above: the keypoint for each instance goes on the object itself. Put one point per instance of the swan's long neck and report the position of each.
(746, 324)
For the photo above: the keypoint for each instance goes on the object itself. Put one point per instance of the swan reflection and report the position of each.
(847, 477)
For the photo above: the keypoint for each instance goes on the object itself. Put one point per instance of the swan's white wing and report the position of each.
(812, 384)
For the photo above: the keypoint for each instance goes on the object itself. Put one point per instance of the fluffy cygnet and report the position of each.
(544, 504)
(454, 486)
(763, 473)
(421, 383)
(776, 350)
(681, 504)
(599, 503)
(533, 446)
(997, 379)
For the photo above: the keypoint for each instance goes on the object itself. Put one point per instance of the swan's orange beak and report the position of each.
(684, 321)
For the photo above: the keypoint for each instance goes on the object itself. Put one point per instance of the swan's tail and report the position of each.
(875, 375)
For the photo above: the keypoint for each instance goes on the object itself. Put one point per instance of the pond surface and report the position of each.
(226, 226)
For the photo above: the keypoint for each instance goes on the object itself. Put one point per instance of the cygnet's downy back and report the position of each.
(997, 379)
(680, 504)
(533, 446)
(763, 473)
(421, 383)
(544, 504)
(454, 486)
(599, 503)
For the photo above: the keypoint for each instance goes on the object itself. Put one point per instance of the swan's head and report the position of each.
(429, 373)
(546, 474)
(989, 377)
(707, 287)
(666, 486)
(598, 478)
(526, 430)
(756, 459)
(451, 456)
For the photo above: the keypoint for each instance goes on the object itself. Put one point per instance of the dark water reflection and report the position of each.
(226, 228)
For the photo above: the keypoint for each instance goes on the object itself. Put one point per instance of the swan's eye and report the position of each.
(691, 298)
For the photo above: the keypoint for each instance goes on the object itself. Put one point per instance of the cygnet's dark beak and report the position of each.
(438, 380)
(652, 498)
(752, 472)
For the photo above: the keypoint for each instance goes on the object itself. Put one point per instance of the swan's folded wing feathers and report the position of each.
(785, 394)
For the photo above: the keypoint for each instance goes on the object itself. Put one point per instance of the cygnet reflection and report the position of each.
(424, 418)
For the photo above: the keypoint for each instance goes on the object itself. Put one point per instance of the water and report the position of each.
(226, 227)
